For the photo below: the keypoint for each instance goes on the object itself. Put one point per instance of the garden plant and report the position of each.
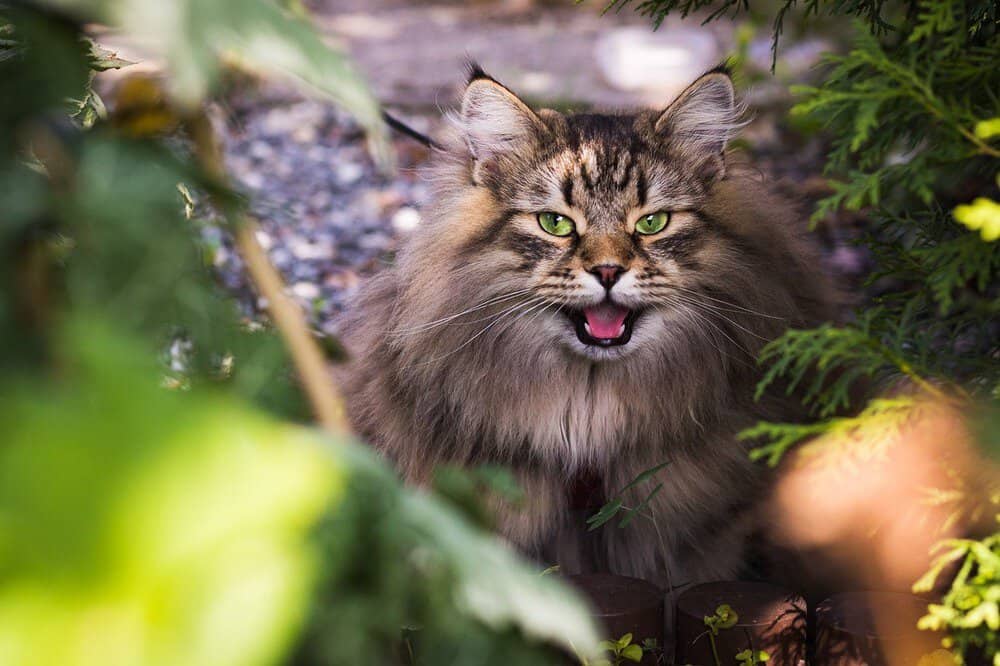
(912, 114)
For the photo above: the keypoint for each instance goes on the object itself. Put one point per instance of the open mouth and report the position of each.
(604, 325)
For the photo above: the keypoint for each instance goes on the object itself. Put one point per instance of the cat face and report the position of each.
(599, 218)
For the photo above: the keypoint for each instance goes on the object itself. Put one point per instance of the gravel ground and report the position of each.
(327, 216)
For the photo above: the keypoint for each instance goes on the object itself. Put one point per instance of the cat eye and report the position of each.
(652, 223)
(555, 224)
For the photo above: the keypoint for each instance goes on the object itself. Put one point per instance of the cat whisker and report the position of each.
(671, 289)
(735, 306)
(716, 311)
(509, 311)
(538, 309)
(691, 317)
(444, 320)
(700, 316)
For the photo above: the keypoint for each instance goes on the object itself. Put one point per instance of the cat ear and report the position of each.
(493, 119)
(703, 118)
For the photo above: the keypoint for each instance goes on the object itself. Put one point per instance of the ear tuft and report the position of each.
(705, 116)
(493, 119)
(475, 72)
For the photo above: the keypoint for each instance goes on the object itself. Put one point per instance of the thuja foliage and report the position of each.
(912, 111)
(162, 499)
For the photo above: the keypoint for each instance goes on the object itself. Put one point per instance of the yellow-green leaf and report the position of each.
(982, 215)
(987, 129)
(633, 653)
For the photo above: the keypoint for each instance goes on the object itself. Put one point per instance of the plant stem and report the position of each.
(310, 364)
(715, 652)
(291, 323)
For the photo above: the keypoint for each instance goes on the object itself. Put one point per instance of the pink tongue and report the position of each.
(605, 320)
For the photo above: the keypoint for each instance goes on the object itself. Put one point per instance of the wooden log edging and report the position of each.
(624, 605)
(870, 628)
(765, 618)
(859, 628)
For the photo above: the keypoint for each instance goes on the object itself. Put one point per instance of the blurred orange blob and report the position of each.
(866, 504)
(875, 499)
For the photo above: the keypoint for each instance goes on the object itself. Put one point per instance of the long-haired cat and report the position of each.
(584, 301)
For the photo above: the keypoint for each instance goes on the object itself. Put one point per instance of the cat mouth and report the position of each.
(604, 325)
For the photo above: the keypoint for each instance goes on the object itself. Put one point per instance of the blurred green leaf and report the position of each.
(196, 37)
(102, 59)
(633, 653)
(143, 526)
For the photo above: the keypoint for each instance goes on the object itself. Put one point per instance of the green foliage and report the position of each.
(970, 610)
(876, 423)
(132, 517)
(470, 490)
(616, 504)
(158, 505)
(619, 652)
(396, 559)
(750, 657)
(823, 363)
(724, 617)
(911, 110)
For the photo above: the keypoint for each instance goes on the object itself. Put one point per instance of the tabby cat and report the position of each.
(583, 302)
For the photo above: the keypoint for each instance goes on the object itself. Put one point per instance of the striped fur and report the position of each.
(462, 351)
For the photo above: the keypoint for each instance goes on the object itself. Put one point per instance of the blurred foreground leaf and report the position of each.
(154, 527)
(140, 526)
(196, 38)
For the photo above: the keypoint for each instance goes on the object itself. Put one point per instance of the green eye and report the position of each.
(555, 224)
(653, 223)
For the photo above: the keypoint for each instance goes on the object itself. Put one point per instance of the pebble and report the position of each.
(306, 291)
(264, 239)
(349, 173)
(406, 219)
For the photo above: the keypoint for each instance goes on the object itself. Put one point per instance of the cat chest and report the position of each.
(576, 428)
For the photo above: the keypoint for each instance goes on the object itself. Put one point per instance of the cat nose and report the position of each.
(607, 274)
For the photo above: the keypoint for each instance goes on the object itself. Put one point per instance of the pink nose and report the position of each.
(608, 274)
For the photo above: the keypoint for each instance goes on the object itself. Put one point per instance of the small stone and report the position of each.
(304, 134)
(342, 281)
(281, 257)
(310, 251)
(348, 173)
(374, 240)
(406, 219)
(264, 239)
(306, 291)
(220, 257)
(260, 150)
(253, 180)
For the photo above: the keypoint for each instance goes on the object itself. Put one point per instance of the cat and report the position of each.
(584, 301)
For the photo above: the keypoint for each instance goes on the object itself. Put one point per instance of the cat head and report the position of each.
(594, 233)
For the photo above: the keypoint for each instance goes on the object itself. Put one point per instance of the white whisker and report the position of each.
(509, 311)
(713, 309)
(444, 320)
(736, 306)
